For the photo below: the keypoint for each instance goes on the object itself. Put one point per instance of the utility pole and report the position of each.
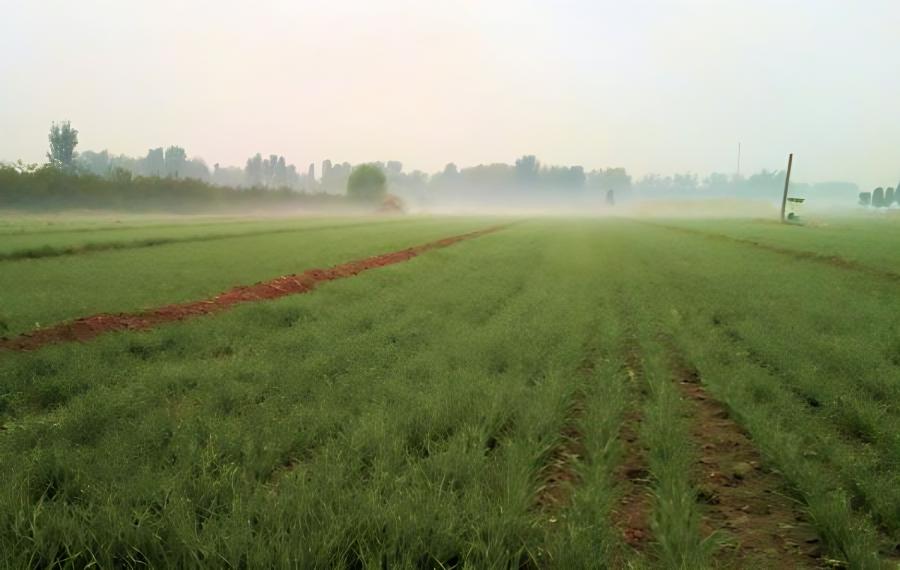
(787, 182)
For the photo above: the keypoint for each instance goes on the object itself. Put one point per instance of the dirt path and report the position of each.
(632, 513)
(559, 475)
(89, 327)
(741, 496)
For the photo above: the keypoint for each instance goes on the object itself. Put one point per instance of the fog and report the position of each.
(530, 106)
(654, 86)
(165, 178)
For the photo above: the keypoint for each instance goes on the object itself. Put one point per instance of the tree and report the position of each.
(865, 199)
(95, 162)
(878, 197)
(367, 183)
(527, 169)
(280, 175)
(253, 172)
(888, 197)
(63, 140)
(175, 159)
(269, 166)
(612, 179)
(195, 168)
(120, 176)
(311, 177)
(155, 162)
(394, 168)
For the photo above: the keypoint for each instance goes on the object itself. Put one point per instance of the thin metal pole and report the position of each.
(787, 182)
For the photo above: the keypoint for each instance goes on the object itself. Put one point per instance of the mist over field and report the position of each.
(516, 106)
(166, 180)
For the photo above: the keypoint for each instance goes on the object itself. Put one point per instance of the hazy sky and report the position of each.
(651, 85)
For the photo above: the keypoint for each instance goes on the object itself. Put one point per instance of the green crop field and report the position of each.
(560, 393)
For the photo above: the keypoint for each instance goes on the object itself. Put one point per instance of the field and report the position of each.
(553, 393)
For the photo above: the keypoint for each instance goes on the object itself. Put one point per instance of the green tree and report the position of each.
(175, 160)
(253, 172)
(367, 183)
(63, 140)
(155, 162)
(878, 197)
(527, 170)
(888, 197)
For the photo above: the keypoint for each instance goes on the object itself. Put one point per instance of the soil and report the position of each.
(632, 514)
(559, 475)
(764, 526)
(86, 328)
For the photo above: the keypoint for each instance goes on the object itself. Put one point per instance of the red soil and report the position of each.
(89, 327)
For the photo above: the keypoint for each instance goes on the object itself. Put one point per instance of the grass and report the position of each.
(35, 292)
(415, 416)
(866, 240)
(39, 244)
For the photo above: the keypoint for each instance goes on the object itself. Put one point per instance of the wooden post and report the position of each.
(787, 182)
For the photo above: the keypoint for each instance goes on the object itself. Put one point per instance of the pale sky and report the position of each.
(651, 85)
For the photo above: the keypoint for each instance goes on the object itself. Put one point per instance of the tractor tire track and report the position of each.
(741, 496)
(89, 327)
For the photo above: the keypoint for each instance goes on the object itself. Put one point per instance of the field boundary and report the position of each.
(89, 327)
(95, 247)
(800, 254)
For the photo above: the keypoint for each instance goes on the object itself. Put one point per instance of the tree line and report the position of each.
(880, 197)
(167, 176)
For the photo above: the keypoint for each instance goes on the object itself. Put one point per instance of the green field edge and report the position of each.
(93, 247)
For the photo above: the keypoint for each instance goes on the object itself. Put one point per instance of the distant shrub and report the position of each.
(878, 197)
(865, 198)
(367, 183)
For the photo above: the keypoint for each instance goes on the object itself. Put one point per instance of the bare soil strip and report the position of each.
(831, 260)
(632, 514)
(89, 327)
(741, 496)
(559, 475)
